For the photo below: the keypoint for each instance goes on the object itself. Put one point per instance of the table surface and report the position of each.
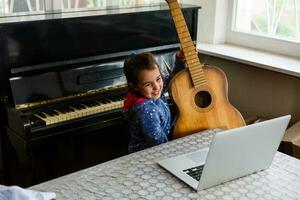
(137, 176)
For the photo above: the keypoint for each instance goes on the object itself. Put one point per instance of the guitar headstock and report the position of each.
(171, 1)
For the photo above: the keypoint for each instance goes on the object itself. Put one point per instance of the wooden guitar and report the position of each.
(200, 92)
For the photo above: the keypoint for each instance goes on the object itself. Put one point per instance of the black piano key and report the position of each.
(87, 105)
(41, 114)
(55, 112)
(71, 109)
(96, 103)
(52, 112)
(114, 98)
(67, 109)
(83, 106)
(103, 101)
(48, 112)
(78, 106)
(62, 110)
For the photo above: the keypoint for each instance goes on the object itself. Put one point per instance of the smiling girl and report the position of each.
(148, 115)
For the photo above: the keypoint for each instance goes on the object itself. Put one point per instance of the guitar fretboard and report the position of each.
(188, 47)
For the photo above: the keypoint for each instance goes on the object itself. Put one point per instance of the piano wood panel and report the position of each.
(62, 154)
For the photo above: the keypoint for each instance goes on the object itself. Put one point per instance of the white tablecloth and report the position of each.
(137, 176)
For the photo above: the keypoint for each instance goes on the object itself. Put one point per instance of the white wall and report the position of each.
(259, 92)
(211, 26)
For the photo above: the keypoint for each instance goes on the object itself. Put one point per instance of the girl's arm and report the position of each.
(180, 63)
(152, 127)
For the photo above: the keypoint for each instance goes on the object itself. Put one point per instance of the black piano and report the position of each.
(62, 85)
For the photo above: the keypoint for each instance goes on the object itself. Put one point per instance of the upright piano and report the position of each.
(62, 85)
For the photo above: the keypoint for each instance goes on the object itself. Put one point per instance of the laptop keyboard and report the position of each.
(194, 172)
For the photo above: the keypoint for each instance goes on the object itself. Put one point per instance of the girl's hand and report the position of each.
(180, 55)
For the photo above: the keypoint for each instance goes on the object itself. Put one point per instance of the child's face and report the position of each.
(150, 83)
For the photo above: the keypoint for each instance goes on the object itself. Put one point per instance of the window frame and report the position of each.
(257, 41)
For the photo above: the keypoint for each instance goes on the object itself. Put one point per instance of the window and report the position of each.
(31, 7)
(271, 25)
(275, 18)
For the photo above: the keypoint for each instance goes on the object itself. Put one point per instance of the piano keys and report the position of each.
(62, 78)
(75, 111)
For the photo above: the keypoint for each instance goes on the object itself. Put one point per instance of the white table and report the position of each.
(137, 176)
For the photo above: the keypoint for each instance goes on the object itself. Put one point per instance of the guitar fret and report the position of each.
(179, 20)
(177, 17)
(187, 44)
(192, 61)
(182, 30)
(196, 65)
(180, 27)
(198, 77)
(184, 37)
(192, 58)
(191, 48)
(202, 80)
(191, 55)
(173, 5)
(184, 34)
(197, 84)
(176, 12)
(199, 81)
(196, 69)
(180, 24)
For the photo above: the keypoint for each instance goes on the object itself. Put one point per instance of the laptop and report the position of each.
(232, 154)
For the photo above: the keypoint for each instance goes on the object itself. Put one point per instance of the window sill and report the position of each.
(265, 60)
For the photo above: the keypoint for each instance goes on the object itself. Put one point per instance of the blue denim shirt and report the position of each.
(149, 124)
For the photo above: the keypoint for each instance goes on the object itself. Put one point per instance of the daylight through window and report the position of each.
(273, 18)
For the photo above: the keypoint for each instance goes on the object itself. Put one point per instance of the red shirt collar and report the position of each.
(131, 100)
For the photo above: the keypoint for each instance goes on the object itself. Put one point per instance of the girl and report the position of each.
(148, 115)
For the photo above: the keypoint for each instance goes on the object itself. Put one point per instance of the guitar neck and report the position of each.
(188, 47)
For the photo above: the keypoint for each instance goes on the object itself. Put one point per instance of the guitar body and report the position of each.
(203, 107)
(199, 92)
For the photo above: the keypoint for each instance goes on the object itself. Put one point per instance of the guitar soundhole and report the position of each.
(203, 99)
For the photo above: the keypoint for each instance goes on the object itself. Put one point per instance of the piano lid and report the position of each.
(54, 40)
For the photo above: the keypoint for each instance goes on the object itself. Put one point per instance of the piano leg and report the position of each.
(18, 163)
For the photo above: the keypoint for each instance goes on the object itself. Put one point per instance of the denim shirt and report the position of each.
(149, 124)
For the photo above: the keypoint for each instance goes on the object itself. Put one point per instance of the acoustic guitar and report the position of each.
(200, 92)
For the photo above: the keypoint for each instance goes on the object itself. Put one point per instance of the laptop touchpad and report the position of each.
(198, 156)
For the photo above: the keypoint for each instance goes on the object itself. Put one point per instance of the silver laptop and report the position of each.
(232, 154)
